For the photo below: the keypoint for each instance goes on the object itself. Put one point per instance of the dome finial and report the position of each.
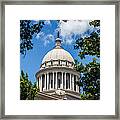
(58, 34)
(58, 40)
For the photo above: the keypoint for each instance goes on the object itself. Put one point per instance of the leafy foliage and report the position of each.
(27, 89)
(27, 30)
(90, 80)
(89, 45)
(90, 73)
(95, 23)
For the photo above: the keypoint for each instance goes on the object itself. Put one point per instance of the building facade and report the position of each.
(57, 76)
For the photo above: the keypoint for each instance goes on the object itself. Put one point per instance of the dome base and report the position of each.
(55, 95)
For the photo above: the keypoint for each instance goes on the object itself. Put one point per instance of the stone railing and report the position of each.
(55, 63)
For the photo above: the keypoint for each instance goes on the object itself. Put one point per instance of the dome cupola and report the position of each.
(58, 43)
(57, 56)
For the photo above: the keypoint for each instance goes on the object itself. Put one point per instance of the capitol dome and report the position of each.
(57, 77)
(58, 54)
(57, 57)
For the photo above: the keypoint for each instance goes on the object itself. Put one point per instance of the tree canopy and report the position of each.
(27, 30)
(90, 45)
(90, 73)
(27, 89)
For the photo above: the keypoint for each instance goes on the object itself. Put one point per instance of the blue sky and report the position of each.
(44, 41)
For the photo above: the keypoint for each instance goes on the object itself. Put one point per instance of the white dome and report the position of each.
(58, 54)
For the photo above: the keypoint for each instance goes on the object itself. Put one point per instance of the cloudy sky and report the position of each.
(44, 41)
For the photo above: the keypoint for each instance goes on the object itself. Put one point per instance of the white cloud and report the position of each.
(50, 37)
(40, 35)
(35, 21)
(67, 31)
(46, 42)
(47, 22)
(47, 39)
(71, 27)
(68, 39)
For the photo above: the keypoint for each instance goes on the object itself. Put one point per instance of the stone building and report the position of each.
(57, 77)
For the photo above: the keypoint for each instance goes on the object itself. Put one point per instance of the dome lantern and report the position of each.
(58, 43)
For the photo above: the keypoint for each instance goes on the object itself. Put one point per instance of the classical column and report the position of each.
(40, 78)
(37, 82)
(70, 81)
(38, 86)
(62, 81)
(47, 81)
(56, 82)
(73, 82)
(77, 85)
(53, 80)
(50, 76)
(65, 80)
(78, 88)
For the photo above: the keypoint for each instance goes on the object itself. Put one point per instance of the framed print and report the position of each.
(60, 60)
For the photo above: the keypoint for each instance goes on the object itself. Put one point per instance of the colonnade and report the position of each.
(58, 80)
